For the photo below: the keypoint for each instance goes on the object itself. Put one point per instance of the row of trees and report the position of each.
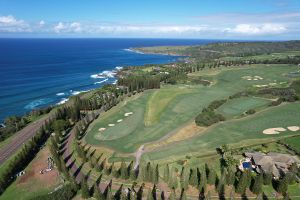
(24, 156)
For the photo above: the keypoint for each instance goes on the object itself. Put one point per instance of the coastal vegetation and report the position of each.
(176, 131)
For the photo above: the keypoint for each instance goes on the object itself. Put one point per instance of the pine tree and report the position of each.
(282, 186)
(193, 178)
(109, 195)
(230, 177)
(182, 195)
(257, 184)
(123, 170)
(85, 193)
(172, 195)
(155, 175)
(162, 195)
(139, 194)
(242, 183)
(98, 194)
(203, 181)
(183, 178)
(211, 179)
(166, 173)
(152, 194)
(267, 178)
(118, 193)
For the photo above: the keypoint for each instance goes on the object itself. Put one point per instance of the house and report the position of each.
(274, 163)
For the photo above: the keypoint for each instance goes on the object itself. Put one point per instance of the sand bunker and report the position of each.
(120, 120)
(102, 129)
(260, 86)
(294, 128)
(111, 125)
(272, 84)
(252, 78)
(127, 114)
(271, 131)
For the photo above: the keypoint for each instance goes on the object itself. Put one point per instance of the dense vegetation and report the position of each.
(217, 50)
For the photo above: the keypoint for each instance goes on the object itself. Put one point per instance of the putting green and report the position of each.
(236, 107)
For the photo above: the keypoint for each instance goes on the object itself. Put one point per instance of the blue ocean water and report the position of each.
(38, 72)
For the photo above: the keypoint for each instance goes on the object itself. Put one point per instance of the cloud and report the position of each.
(11, 24)
(42, 23)
(74, 27)
(142, 29)
(252, 29)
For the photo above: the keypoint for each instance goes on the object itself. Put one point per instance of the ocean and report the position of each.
(35, 73)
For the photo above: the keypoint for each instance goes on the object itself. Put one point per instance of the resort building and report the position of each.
(274, 163)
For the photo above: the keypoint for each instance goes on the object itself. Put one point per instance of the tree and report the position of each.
(267, 178)
(183, 195)
(172, 195)
(203, 181)
(166, 173)
(211, 179)
(85, 193)
(118, 193)
(230, 176)
(257, 184)
(243, 182)
(139, 194)
(193, 178)
(123, 170)
(155, 174)
(282, 186)
(98, 194)
(152, 194)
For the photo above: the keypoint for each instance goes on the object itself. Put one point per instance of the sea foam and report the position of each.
(60, 94)
(99, 82)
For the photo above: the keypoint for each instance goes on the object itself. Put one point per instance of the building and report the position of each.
(274, 163)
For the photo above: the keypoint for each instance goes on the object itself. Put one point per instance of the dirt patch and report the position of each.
(33, 179)
(184, 133)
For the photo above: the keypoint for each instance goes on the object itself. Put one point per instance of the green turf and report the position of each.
(128, 137)
(294, 142)
(242, 131)
(238, 106)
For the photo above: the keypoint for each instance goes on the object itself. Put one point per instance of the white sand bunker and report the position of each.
(252, 78)
(294, 128)
(111, 125)
(120, 120)
(260, 86)
(128, 113)
(102, 129)
(271, 131)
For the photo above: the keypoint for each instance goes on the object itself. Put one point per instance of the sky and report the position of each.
(203, 19)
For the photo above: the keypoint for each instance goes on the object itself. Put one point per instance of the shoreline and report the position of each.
(104, 77)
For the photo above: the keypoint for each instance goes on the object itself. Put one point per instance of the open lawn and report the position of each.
(171, 108)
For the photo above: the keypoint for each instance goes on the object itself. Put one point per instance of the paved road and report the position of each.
(20, 138)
